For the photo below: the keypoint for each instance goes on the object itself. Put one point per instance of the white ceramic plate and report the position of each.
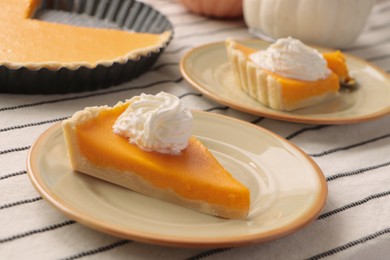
(207, 69)
(288, 190)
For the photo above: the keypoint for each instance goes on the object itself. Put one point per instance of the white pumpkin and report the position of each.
(332, 23)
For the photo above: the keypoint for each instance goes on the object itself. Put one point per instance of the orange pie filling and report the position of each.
(337, 64)
(194, 174)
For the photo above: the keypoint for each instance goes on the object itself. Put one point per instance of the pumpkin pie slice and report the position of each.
(193, 178)
(282, 93)
(58, 49)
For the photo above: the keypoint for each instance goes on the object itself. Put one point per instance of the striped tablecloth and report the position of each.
(355, 223)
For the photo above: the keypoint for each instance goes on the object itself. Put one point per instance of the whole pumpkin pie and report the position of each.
(36, 45)
(145, 144)
(288, 75)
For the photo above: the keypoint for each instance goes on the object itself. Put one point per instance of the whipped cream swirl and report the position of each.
(290, 58)
(158, 123)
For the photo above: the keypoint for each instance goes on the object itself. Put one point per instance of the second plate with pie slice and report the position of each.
(207, 69)
(285, 197)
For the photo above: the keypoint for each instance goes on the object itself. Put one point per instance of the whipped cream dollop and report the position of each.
(158, 123)
(291, 58)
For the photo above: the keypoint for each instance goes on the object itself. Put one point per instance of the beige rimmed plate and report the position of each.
(288, 190)
(207, 69)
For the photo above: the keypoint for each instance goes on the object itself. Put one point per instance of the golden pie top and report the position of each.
(34, 43)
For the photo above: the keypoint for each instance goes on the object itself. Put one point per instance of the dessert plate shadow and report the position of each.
(207, 69)
(285, 197)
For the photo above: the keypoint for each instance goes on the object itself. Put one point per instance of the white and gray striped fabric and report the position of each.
(355, 223)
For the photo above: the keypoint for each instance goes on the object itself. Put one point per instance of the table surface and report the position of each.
(355, 223)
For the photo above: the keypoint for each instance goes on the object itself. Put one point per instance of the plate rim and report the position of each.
(275, 114)
(169, 240)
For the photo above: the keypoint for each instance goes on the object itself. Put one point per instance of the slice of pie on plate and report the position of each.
(280, 92)
(193, 178)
